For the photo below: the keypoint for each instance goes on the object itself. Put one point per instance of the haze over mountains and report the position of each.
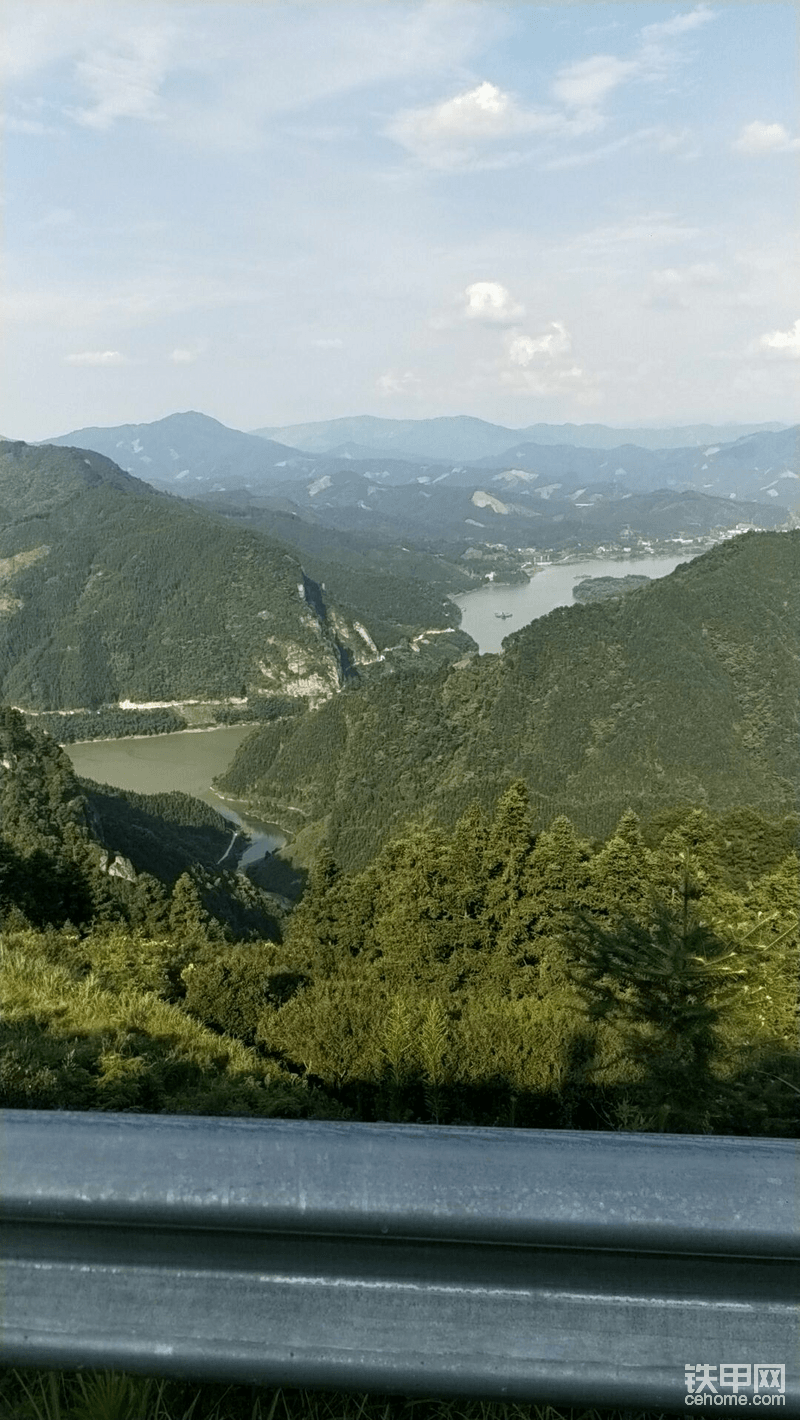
(529, 494)
(464, 437)
(187, 450)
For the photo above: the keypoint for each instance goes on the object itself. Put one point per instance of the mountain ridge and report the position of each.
(448, 436)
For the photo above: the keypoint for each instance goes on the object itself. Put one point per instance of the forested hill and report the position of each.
(111, 591)
(81, 853)
(686, 691)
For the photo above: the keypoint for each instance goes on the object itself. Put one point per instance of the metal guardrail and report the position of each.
(575, 1268)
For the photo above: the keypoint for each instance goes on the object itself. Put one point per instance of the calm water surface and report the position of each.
(548, 588)
(188, 760)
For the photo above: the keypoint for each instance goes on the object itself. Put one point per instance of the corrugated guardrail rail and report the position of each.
(636, 1270)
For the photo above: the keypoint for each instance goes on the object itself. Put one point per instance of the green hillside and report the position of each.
(110, 591)
(686, 691)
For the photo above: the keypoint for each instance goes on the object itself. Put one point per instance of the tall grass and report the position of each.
(106, 1395)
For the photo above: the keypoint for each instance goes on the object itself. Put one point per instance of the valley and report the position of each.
(323, 787)
(399, 695)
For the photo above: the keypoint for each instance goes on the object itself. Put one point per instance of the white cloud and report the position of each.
(678, 25)
(123, 78)
(96, 357)
(465, 131)
(524, 349)
(649, 228)
(758, 138)
(184, 356)
(459, 132)
(308, 54)
(587, 83)
(787, 342)
(328, 343)
(29, 127)
(491, 304)
(37, 36)
(676, 288)
(544, 365)
(390, 383)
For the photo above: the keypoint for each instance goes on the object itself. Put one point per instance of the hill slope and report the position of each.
(685, 691)
(110, 591)
(188, 451)
(473, 507)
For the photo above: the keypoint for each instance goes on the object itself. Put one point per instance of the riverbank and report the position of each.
(491, 613)
(190, 730)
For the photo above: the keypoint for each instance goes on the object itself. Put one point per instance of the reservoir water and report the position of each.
(549, 587)
(188, 760)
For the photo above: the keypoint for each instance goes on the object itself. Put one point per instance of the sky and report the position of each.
(282, 212)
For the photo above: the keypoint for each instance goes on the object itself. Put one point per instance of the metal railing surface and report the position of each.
(570, 1267)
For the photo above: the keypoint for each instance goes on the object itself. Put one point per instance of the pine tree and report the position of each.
(314, 928)
(399, 1051)
(561, 887)
(466, 871)
(188, 919)
(433, 1042)
(508, 905)
(414, 927)
(662, 984)
(621, 871)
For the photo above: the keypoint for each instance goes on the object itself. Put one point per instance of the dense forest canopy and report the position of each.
(488, 974)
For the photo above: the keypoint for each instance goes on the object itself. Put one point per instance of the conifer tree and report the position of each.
(433, 1041)
(314, 931)
(561, 884)
(466, 870)
(414, 919)
(663, 984)
(620, 872)
(188, 918)
(399, 1051)
(508, 904)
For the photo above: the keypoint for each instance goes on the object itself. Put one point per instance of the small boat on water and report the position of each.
(503, 615)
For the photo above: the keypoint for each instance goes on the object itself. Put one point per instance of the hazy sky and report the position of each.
(279, 212)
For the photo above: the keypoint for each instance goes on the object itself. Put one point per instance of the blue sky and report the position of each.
(276, 213)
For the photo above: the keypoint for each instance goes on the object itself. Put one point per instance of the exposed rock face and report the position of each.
(117, 867)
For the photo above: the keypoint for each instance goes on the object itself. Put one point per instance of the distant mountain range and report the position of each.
(462, 437)
(528, 494)
(504, 509)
